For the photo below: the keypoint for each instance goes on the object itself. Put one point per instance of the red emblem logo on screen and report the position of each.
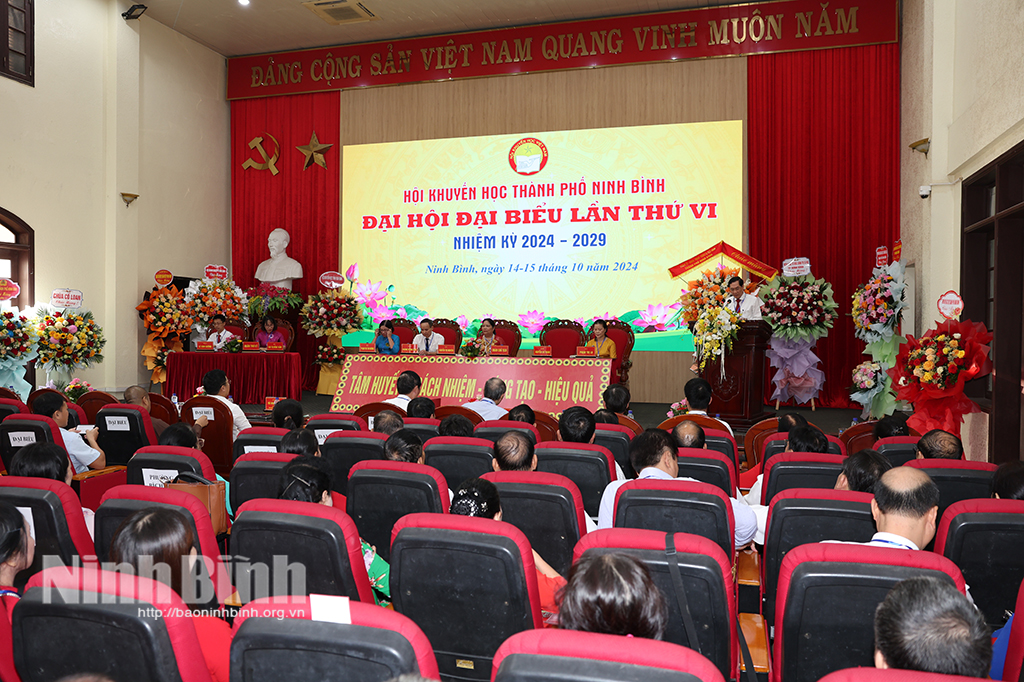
(528, 156)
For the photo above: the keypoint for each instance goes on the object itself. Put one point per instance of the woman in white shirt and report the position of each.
(217, 385)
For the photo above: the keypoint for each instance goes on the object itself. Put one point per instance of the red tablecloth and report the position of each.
(254, 376)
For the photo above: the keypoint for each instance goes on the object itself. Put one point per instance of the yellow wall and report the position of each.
(117, 107)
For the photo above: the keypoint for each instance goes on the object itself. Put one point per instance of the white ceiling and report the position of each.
(280, 25)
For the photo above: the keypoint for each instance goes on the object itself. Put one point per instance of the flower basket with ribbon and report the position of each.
(165, 316)
(156, 351)
(930, 373)
(708, 291)
(870, 388)
(877, 310)
(68, 339)
(329, 354)
(17, 348)
(331, 313)
(714, 334)
(205, 298)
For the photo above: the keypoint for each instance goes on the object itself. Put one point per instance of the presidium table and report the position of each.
(546, 384)
(253, 376)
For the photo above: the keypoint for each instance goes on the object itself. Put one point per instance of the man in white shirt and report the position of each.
(514, 451)
(699, 397)
(217, 385)
(84, 452)
(747, 306)
(408, 385)
(905, 508)
(487, 407)
(218, 336)
(427, 342)
(653, 453)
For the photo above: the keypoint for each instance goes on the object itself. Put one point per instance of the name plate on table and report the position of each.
(204, 346)
(367, 348)
(499, 350)
(542, 351)
(269, 402)
(276, 347)
(408, 348)
(446, 349)
(250, 346)
(586, 351)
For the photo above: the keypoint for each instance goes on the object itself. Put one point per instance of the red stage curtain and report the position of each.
(824, 172)
(304, 202)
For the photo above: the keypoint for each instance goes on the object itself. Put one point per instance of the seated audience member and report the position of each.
(48, 460)
(217, 385)
(456, 426)
(605, 416)
(514, 451)
(308, 479)
(300, 442)
(427, 342)
(17, 552)
(137, 395)
(698, 398)
(801, 439)
(159, 535)
(487, 336)
(487, 407)
(689, 434)
(926, 624)
(217, 335)
(791, 420)
(654, 454)
(479, 497)
(522, 413)
(939, 444)
(268, 332)
(861, 471)
(905, 505)
(605, 346)
(616, 398)
(612, 594)
(578, 425)
(387, 342)
(387, 422)
(181, 436)
(288, 414)
(84, 452)
(404, 446)
(408, 385)
(1008, 481)
(890, 426)
(421, 408)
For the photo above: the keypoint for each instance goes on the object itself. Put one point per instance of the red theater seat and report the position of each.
(344, 449)
(9, 406)
(494, 587)
(79, 633)
(957, 479)
(616, 438)
(123, 430)
(423, 427)
(590, 467)
(280, 632)
(493, 429)
(899, 449)
(459, 458)
(799, 470)
(827, 596)
(257, 439)
(169, 457)
(323, 425)
(557, 655)
(93, 401)
(257, 476)
(708, 466)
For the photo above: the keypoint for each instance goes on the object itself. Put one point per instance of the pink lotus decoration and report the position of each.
(607, 317)
(381, 313)
(369, 293)
(656, 316)
(581, 321)
(352, 274)
(533, 321)
(463, 321)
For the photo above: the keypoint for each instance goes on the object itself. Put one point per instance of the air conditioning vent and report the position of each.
(336, 12)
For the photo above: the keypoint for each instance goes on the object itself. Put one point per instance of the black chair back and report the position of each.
(459, 459)
(344, 450)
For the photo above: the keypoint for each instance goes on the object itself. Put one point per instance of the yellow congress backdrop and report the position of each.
(571, 223)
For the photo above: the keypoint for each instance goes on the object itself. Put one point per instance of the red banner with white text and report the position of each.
(755, 28)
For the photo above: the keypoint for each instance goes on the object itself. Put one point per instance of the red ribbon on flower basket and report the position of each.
(930, 373)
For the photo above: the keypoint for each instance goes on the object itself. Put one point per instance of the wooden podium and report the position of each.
(739, 397)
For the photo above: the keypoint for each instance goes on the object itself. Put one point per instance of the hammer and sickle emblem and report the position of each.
(268, 161)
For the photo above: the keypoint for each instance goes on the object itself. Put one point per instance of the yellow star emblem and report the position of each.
(314, 152)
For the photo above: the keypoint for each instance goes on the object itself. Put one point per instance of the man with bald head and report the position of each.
(689, 435)
(939, 444)
(905, 506)
(487, 407)
(137, 395)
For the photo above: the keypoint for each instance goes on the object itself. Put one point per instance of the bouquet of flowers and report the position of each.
(709, 291)
(799, 308)
(233, 346)
(156, 351)
(473, 348)
(871, 388)
(713, 336)
(930, 373)
(267, 298)
(17, 340)
(68, 339)
(205, 298)
(878, 305)
(331, 313)
(329, 355)
(677, 408)
(163, 312)
(76, 389)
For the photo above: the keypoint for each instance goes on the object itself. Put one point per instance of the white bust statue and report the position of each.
(279, 269)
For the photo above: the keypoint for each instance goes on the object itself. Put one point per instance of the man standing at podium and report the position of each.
(747, 306)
